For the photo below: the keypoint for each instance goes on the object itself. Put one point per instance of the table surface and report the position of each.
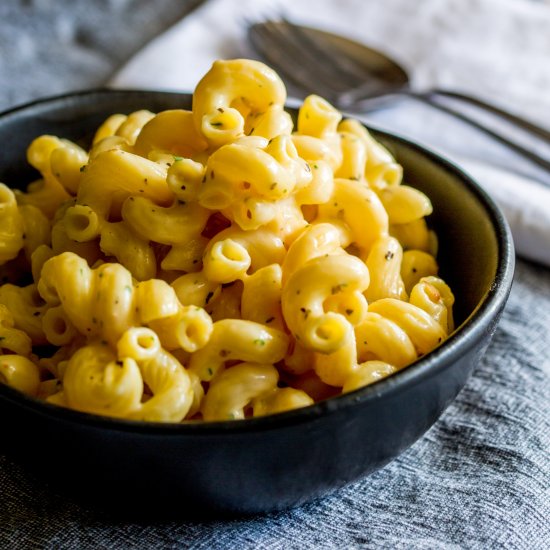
(488, 454)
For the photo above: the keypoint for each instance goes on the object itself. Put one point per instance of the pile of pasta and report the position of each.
(217, 263)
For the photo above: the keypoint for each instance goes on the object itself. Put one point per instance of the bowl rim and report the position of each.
(480, 320)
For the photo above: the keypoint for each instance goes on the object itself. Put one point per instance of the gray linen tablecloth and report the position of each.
(479, 478)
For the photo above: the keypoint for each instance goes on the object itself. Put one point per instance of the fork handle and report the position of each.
(359, 100)
(361, 95)
(430, 98)
(526, 125)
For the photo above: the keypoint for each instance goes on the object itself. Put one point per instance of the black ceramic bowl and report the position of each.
(274, 462)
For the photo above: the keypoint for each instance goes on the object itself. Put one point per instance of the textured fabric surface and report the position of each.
(49, 47)
(479, 478)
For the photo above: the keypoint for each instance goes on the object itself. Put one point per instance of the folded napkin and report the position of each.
(490, 48)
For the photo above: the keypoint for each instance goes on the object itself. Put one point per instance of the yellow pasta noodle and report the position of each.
(384, 262)
(171, 386)
(133, 124)
(170, 131)
(235, 388)
(360, 209)
(247, 86)
(237, 339)
(280, 400)
(20, 373)
(306, 291)
(96, 381)
(12, 339)
(12, 228)
(27, 309)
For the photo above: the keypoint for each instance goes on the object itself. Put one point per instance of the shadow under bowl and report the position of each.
(274, 462)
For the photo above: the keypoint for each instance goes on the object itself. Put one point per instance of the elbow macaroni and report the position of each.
(216, 263)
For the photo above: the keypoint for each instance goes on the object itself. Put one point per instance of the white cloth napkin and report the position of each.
(495, 49)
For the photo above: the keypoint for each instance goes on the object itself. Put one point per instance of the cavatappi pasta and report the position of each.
(217, 263)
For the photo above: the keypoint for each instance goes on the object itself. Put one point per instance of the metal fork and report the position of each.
(313, 63)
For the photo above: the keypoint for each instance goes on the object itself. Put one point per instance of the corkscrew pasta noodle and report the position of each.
(216, 263)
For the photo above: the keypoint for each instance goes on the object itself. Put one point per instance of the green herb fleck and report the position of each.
(216, 124)
(176, 158)
(338, 288)
(259, 342)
